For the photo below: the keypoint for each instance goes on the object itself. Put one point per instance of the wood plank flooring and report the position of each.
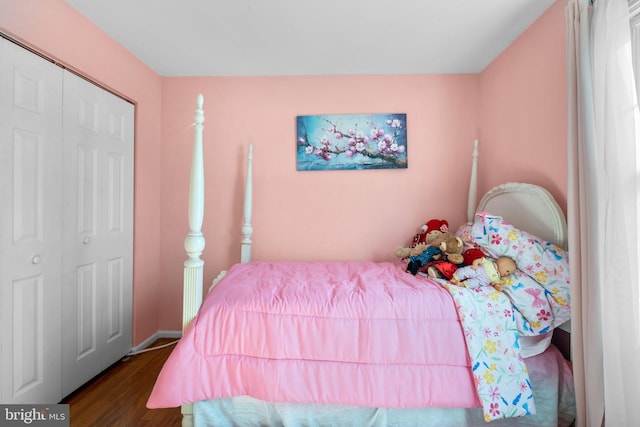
(118, 396)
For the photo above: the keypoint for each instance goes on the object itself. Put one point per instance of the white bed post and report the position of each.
(473, 185)
(247, 229)
(194, 242)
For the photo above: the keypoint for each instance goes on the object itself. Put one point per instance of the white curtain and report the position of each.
(602, 208)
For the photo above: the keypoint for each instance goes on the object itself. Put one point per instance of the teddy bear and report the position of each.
(432, 230)
(452, 248)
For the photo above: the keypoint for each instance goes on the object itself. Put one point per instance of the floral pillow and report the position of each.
(545, 262)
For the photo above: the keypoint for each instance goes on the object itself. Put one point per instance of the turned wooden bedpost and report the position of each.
(473, 185)
(194, 242)
(247, 229)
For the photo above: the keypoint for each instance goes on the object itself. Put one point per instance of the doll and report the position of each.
(484, 272)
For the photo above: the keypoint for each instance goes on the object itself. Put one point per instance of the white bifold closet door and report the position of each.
(97, 230)
(66, 228)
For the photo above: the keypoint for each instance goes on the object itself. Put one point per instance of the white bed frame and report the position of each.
(545, 219)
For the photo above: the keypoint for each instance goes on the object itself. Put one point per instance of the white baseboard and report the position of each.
(160, 334)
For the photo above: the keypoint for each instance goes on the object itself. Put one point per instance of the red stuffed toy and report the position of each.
(471, 255)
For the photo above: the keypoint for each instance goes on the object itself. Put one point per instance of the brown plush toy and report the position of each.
(403, 253)
(452, 249)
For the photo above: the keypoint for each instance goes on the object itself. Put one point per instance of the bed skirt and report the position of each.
(550, 375)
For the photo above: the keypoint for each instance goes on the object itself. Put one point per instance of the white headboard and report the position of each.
(528, 207)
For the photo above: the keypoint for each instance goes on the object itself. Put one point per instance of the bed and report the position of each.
(367, 344)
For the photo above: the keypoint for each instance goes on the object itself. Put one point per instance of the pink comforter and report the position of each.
(359, 333)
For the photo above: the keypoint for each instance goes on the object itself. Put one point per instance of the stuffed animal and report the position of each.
(432, 231)
(472, 254)
(417, 250)
(444, 268)
(430, 253)
(453, 247)
(403, 253)
(484, 272)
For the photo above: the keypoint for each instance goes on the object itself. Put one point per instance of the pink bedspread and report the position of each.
(359, 333)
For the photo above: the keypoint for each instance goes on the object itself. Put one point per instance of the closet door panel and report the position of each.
(119, 228)
(83, 267)
(30, 220)
(97, 231)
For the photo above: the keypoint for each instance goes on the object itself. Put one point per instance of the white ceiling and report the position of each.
(312, 37)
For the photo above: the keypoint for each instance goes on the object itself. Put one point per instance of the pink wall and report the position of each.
(57, 30)
(517, 106)
(523, 109)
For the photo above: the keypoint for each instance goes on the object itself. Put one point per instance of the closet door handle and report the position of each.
(86, 240)
(36, 259)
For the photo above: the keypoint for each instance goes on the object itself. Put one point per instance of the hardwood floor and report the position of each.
(117, 397)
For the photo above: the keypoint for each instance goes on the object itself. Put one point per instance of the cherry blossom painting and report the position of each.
(352, 141)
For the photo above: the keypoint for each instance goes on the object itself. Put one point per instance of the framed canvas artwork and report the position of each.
(351, 141)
